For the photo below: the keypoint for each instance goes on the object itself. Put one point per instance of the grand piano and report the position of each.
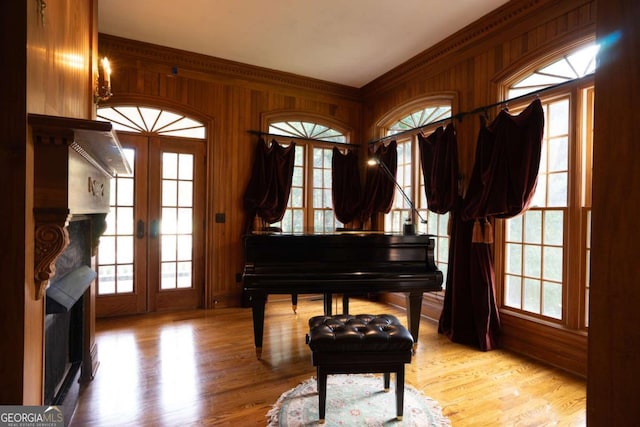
(341, 263)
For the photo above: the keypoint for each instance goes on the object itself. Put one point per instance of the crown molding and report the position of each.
(217, 66)
(490, 24)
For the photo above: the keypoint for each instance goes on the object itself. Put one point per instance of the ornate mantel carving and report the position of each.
(74, 160)
(51, 239)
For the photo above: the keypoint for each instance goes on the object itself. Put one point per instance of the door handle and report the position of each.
(155, 229)
(140, 229)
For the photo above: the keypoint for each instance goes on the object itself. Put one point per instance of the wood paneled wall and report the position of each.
(613, 384)
(230, 98)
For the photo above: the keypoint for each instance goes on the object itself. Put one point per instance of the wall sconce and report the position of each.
(103, 82)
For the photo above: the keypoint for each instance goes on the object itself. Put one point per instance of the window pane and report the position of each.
(296, 197)
(125, 249)
(558, 154)
(557, 189)
(513, 292)
(169, 246)
(107, 250)
(531, 295)
(514, 258)
(514, 229)
(124, 280)
(185, 167)
(552, 305)
(169, 193)
(185, 193)
(125, 220)
(558, 118)
(533, 227)
(552, 263)
(553, 227)
(169, 165)
(124, 192)
(532, 261)
(106, 279)
(317, 197)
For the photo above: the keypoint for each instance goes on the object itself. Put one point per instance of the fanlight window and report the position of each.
(570, 67)
(307, 130)
(420, 118)
(152, 120)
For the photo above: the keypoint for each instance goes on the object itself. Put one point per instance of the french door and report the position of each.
(151, 256)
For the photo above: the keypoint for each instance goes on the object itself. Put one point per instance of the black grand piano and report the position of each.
(341, 263)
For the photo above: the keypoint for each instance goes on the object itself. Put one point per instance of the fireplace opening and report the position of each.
(65, 318)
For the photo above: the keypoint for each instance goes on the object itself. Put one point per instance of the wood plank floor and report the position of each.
(199, 368)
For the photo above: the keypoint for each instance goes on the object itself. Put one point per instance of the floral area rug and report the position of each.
(355, 400)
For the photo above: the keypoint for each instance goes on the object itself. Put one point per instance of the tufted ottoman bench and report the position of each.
(357, 344)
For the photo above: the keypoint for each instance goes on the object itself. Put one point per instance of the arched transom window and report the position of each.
(152, 120)
(307, 130)
(420, 118)
(310, 206)
(569, 67)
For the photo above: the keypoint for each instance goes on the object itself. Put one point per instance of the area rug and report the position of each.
(355, 400)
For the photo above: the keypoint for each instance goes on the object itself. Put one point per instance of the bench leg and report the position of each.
(400, 393)
(387, 381)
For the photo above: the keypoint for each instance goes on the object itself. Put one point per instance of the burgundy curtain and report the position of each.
(345, 185)
(439, 159)
(507, 163)
(501, 185)
(379, 187)
(268, 190)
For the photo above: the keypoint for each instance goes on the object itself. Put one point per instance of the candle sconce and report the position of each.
(103, 82)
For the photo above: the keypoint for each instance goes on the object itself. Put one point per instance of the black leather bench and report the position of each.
(357, 344)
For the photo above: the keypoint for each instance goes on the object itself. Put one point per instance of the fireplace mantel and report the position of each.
(74, 160)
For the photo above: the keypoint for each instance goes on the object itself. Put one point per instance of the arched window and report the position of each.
(409, 174)
(151, 120)
(310, 206)
(540, 273)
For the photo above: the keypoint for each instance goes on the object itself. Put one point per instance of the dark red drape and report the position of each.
(507, 163)
(268, 190)
(379, 187)
(345, 185)
(501, 185)
(439, 159)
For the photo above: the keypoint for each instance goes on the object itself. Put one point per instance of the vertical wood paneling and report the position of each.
(614, 337)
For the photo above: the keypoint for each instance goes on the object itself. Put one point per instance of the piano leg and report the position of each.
(328, 299)
(294, 303)
(414, 308)
(258, 302)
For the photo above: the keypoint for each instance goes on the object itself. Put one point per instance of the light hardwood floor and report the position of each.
(199, 368)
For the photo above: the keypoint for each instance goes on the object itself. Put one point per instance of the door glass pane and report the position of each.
(115, 252)
(177, 221)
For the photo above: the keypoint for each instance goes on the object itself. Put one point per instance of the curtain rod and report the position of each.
(260, 133)
(483, 109)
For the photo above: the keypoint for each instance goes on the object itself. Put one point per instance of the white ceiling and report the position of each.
(342, 41)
